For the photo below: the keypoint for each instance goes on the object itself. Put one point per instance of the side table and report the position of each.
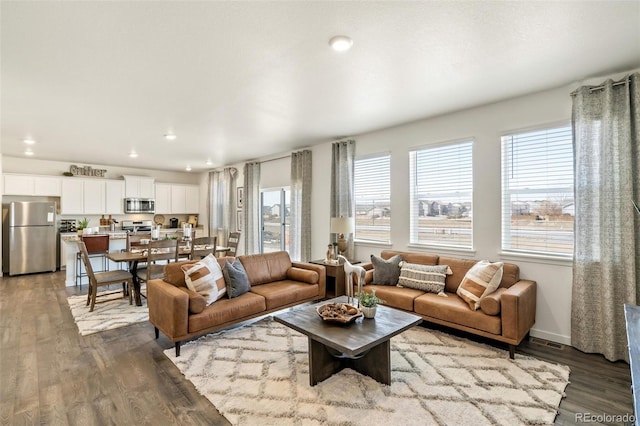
(335, 277)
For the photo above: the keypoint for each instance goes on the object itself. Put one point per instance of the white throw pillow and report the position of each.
(482, 279)
(205, 278)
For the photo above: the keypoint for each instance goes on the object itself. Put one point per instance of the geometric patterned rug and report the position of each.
(114, 313)
(258, 375)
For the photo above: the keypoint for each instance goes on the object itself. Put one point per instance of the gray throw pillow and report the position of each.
(386, 272)
(235, 278)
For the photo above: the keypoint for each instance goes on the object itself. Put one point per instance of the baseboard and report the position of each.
(553, 337)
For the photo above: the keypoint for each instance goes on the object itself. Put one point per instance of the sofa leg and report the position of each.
(157, 332)
(177, 349)
(512, 351)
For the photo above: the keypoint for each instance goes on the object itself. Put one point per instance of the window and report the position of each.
(537, 191)
(275, 220)
(441, 191)
(372, 195)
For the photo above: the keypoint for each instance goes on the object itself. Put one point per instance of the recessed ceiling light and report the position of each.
(341, 43)
(28, 152)
(188, 168)
(170, 136)
(133, 154)
(209, 162)
(29, 141)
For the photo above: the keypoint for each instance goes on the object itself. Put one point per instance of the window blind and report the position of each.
(441, 191)
(372, 193)
(537, 191)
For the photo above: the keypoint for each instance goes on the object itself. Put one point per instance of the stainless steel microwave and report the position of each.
(139, 205)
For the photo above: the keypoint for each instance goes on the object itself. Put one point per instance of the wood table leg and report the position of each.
(133, 268)
(376, 363)
(321, 363)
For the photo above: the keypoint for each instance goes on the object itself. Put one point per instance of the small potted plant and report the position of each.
(82, 224)
(368, 303)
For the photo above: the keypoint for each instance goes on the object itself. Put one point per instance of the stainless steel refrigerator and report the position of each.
(31, 227)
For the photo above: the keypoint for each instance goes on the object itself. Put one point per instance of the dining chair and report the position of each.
(203, 246)
(158, 251)
(232, 243)
(97, 246)
(99, 279)
(133, 240)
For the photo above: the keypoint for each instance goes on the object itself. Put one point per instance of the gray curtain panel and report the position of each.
(221, 203)
(606, 131)
(300, 216)
(251, 208)
(342, 204)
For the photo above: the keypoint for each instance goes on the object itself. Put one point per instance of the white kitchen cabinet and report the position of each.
(114, 197)
(178, 199)
(94, 196)
(72, 196)
(192, 199)
(163, 198)
(16, 184)
(139, 187)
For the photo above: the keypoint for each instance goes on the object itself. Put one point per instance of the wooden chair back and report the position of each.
(234, 239)
(162, 250)
(96, 244)
(203, 246)
(133, 240)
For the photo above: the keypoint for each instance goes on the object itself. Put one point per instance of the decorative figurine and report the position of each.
(329, 258)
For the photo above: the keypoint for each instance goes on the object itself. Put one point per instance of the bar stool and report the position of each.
(97, 246)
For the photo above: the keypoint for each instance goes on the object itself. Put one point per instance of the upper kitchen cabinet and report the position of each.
(114, 200)
(139, 187)
(15, 184)
(72, 197)
(94, 196)
(177, 198)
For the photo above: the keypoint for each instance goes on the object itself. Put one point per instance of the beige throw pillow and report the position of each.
(205, 278)
(482, 279)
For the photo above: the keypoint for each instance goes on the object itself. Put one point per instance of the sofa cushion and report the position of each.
(227, 311)
(302, 275)
(459, 268)
(490, 304)
(386, 272)
(482, 279)
(281, 293)
(236, 279)
(205, 278)
(396, 297)
(197, 302)
(267, 267)
(456, 311)
(428, 278)
(420, 258)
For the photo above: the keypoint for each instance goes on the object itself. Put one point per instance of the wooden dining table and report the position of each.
(134, 257)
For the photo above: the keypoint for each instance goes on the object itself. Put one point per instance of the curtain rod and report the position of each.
(274, 159)
(601, 87)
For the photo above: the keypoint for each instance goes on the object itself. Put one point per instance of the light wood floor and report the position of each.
(51, 375)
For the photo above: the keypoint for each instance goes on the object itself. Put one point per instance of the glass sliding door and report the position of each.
(275, 219)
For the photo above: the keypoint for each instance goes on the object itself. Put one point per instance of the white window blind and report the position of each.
(372, 192)
(537, 191)
(441, 195)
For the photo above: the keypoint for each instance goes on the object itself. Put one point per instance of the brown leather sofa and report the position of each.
(276, 283)
(507, 315)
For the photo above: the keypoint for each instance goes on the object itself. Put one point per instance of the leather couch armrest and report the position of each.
(518, 304)
(168, 308)
(322, 274)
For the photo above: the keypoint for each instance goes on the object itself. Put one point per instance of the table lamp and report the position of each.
(342, 226)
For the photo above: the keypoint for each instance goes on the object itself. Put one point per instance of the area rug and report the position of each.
(114, 313)
(258, 375)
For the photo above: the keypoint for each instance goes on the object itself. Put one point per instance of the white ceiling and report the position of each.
(91, 81)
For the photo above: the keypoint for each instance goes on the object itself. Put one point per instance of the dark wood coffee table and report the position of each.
(363, 345)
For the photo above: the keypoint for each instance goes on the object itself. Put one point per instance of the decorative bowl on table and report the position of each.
(338, 312)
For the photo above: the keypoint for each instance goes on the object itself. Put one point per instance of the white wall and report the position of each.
(484, 125)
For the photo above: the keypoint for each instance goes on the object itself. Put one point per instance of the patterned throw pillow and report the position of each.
(482, 279)
(386, 272)
(205, 278)
(236, 278)
(429, 278)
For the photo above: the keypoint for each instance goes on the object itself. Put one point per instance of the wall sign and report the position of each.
(86, 171)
